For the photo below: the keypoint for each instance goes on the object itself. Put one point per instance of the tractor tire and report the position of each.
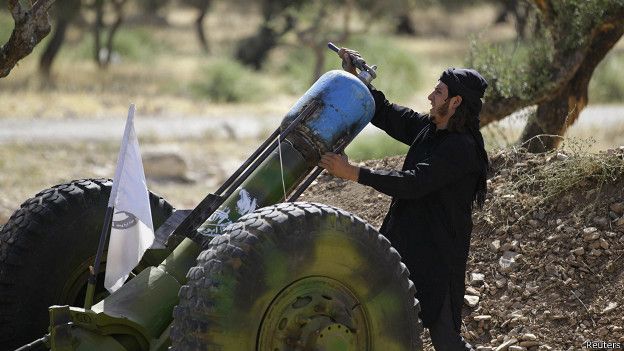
(298, 276)
(46, 248)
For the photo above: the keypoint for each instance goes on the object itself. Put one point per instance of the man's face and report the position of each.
(441, 110)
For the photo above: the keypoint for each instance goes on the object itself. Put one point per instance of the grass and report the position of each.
(228, 81)
(575, 165)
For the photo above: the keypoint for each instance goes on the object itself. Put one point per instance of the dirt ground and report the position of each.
(546, 268)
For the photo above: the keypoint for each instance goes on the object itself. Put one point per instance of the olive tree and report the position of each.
(553, 70)
(31, 26)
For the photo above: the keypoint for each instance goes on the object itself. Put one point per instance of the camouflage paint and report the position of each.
(345, 107)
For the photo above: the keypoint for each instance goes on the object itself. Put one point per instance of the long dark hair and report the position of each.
(464, 120)
(459, 120)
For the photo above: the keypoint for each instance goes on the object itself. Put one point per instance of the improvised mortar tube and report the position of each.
(140, 312)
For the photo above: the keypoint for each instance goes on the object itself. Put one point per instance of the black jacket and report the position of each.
(430, 218)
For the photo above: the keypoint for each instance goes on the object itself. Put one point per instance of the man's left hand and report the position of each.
(339, 166)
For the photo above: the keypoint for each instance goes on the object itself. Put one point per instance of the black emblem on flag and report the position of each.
(124, 220)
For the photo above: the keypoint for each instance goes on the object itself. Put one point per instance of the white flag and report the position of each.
(131, 231)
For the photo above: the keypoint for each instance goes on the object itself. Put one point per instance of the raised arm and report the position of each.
(401, 123)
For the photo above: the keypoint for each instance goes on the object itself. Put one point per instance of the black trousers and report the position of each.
(443, 334)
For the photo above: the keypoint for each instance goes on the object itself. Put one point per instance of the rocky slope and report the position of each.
(546, 269)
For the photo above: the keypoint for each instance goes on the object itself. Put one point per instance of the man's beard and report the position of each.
(439, 111)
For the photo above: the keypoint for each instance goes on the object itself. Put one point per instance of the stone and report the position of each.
(505, 345)
(604, 244)
(561, 156)
(617, 207)
(484, 348)
(500, 283)
(508, 261)
(483, 317)
(165, 165)
(578, 251)
(602, 222)
(476, 278)
(528, 336)
(516, 348)
(471, 301)
(620, 222)
(534, 223)
(495, 245)
(472, 291)
(595, 252)
(610, 307)
(591, 234)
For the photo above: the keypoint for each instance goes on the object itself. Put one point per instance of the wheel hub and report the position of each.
(314, 313)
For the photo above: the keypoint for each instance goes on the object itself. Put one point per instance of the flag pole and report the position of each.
(95, 269)
(108, 217)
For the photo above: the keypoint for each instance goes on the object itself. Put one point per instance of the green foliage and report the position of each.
(576, 18)
(607, 85)
(6, 26)
(517, 69)
(132, 44)
(398, 70)
(374, 146)
(136, 44)
(228, 81)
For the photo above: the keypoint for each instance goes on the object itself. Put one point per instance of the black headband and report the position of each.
(467, 83)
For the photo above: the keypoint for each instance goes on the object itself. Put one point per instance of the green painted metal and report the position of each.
(264, 187)
(139, 314)
(304, 314)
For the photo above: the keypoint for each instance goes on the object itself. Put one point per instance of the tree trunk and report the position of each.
(31, 26)
(97, 29)
(66, 11)
(199, 25)
(562, 109)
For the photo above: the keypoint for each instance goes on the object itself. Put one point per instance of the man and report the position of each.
(444, 173)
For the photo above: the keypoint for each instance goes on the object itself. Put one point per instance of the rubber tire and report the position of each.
(222, 305)
(44, 240)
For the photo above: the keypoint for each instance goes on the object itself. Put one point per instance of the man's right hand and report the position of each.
(346, 55)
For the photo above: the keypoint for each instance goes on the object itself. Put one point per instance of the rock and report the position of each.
(484, 348)
(483, 317)
(620, 223)
(578, 251)
(508, 261)
(516, 348)
(595, 252)
(163, 165)
(610, 307)
(495, 245)
(617, 207)
(505, 346)
(591, 234)
(529, 337)
(534, 223)
(561, 156)
(602, 222)
(472, 291)
(476, 278)
(604, 244)
(501, 282)
(471, 301)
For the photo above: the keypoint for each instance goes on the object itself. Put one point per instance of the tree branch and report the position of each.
(31, 26)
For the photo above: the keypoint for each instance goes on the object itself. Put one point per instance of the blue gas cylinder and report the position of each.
(342, 107)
